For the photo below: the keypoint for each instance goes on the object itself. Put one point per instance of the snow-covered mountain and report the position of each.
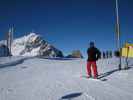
(34, 45)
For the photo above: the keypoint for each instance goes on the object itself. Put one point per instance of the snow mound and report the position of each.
(10, 61)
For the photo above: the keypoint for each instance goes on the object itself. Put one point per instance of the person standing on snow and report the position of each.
(93, 56)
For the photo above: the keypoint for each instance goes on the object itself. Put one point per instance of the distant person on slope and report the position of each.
(93, 56)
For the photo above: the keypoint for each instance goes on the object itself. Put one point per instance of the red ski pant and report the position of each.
(92, 64)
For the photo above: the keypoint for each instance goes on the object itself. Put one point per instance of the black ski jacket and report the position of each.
(93, 54)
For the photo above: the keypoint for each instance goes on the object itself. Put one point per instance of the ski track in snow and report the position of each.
(43, 79)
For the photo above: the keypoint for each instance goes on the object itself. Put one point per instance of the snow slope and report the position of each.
(12, 61)
(44, 79)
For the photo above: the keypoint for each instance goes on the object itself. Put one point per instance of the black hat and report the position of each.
(91, 43)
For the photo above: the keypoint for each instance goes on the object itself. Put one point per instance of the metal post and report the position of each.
(10, 39)
(118, 32)
(12, 33)
(7, 42)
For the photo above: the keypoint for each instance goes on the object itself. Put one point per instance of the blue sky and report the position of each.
(68, 24)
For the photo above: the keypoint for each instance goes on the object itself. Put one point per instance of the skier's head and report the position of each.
(92, 44)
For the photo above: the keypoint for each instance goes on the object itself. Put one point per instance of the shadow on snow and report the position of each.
(111, 72)
(71, 96)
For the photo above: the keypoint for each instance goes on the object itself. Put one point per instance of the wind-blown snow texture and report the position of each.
(44, 79)
(34, 45)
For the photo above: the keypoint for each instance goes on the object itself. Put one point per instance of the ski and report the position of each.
(101, 79)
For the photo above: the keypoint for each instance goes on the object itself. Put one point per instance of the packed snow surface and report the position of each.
(47, 79)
